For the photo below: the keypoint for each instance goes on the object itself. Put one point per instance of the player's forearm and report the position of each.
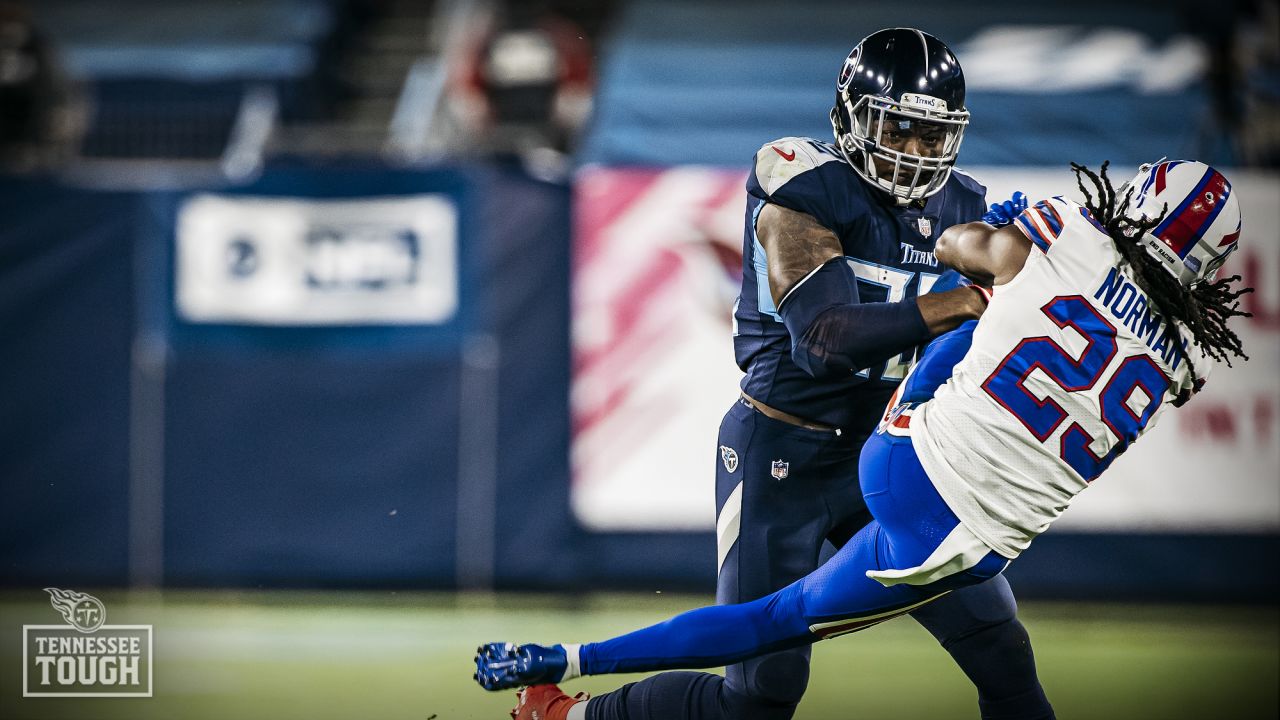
(833, 334)
(848, 338)
(942, 312)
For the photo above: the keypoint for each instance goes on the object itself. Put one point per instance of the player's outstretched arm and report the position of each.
(832, 332)
(984, 254)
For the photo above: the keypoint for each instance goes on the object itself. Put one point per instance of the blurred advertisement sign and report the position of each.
(657, 268)
(657, 263)
(1026, 59)
(287, 261)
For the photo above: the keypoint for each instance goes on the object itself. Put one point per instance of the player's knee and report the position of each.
(1008, 641)
(1002, 665)
(985, 603)
(779, 678)
(674, 694)
(968, 611)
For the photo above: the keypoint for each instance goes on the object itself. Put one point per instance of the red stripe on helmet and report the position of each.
(1181, 231)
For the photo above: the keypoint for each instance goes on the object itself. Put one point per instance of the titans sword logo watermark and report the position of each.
(85, 657)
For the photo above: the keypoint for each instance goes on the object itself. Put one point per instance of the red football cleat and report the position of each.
(544, 702)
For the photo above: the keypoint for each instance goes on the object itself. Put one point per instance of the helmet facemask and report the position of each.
(874, 119)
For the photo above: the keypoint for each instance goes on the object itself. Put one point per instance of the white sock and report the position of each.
(578, 712)
(574, 669)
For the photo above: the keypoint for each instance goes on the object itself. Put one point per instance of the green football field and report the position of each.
(224, 655)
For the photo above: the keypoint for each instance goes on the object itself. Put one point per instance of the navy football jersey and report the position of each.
(889, 247)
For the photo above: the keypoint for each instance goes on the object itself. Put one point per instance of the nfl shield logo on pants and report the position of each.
(780, 469)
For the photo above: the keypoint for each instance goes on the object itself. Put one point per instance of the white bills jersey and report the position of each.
(1068, 366)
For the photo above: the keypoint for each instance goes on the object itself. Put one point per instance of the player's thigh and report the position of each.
(839, 595)
(771, 515)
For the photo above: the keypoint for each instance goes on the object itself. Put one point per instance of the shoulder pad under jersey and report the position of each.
(778, 162)
(1043, 223)
(970, 183)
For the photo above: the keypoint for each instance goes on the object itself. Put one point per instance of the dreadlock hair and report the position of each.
(1203, 308)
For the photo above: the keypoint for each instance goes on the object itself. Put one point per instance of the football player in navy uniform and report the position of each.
(840, 286)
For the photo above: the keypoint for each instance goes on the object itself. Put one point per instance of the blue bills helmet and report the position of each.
(897, 83)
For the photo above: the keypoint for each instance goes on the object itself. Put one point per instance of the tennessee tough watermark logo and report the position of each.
(85, 657)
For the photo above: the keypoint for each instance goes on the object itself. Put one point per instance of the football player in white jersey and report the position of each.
(1103, 316)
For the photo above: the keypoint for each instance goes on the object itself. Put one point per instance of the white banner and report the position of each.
(658, 260)
(289, 261)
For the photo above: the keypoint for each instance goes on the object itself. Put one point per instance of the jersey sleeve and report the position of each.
(800, 175)
(1069, 236)
(1044, 222)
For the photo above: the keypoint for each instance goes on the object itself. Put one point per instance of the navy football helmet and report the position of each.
(899, 115)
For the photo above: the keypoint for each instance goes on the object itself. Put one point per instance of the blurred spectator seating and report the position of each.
(170, 79)
(702, 82)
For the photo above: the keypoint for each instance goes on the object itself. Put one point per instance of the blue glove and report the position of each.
(1002, 214)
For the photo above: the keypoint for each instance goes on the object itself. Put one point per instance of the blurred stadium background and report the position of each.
(340, 336)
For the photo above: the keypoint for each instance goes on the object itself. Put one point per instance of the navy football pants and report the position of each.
(792, 489)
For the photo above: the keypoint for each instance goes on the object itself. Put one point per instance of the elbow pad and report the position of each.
(834, 334)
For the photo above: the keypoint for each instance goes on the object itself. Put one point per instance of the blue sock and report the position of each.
(712, 636)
